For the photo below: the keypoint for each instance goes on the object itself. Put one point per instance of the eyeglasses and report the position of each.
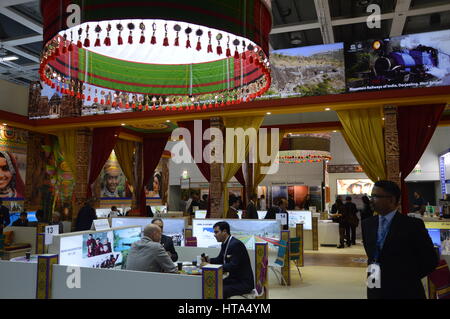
(379, 196)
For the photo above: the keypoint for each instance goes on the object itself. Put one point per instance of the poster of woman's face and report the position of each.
(12, 164)
(154, 188)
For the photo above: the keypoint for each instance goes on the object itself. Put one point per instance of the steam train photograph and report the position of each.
(389, 63)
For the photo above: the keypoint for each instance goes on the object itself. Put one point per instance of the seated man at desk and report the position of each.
(235, 260)
(166, 241)
(148, 254)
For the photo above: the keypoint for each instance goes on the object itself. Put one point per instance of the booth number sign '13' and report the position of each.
(50, 231)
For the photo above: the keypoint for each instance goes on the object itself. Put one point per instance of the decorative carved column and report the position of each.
(138, 173)
(82, 158)
(215, 186)
(165, 177)
(36, 172)
(391, 147)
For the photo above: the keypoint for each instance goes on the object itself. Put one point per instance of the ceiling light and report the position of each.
(383, 118)
(268, 113)
(123, 124)
(167, 121)
(296, 41)
(9, 58)
(334, 131)
(327, 109)
(5, 124)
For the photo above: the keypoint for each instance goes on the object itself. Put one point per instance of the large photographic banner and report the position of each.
(410, 61)
(13, 160)
(113, 183)
(307, 71)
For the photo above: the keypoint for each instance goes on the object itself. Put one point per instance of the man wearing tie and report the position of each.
(235, 260)
(397, 246)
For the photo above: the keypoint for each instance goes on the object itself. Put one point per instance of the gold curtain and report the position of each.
(231, 167)
(67, 143)
(125, 151)
(258, 177)
(363, 132)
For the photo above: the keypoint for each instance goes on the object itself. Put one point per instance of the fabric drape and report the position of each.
(258, 176)
(67, 142)
(125, 154)
(363, 132)
(241, 179)
(153, 147)
(103, 141)
(204, 167)
(416, 126)
(230, 168)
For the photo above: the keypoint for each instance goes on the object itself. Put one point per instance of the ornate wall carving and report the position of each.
(215, 187)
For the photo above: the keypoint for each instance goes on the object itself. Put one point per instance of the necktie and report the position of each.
(383, 232)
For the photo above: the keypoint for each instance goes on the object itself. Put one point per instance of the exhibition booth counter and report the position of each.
(91, 264)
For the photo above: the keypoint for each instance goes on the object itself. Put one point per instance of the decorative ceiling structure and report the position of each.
(153, 55)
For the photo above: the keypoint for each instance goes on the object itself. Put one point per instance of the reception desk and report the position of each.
(328, 233)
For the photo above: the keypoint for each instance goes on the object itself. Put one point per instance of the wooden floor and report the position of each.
(335, 260)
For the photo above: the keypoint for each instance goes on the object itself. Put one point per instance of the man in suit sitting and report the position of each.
(148, 254)
(166, 241)
(251, 212)
(232, 210)
(235, 260)
(399, 245)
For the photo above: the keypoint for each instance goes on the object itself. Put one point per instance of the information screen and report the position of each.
(248, 231)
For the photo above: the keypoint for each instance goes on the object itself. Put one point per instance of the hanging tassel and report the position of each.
(87, 42)
(79, 44)
(228, 53)
(166, 41)
(219, 50)
(102, 102)
(114, 104)
(188, 43)
(133, 106)
(142, 40)
(153, 40)
(210, 105)
(130, 39)
(210, 50)
(177, 42)
(199, 45)
(64, 49)
(70, 47)
(243, 56)
(127, 105)
(250, 59)
(107, 41)
(53, 85)
(236, 54)
(89, 98)
(119, 40)
(204, 107)
(97, 42)
(95, 99)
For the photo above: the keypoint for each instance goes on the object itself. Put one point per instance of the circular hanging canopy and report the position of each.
(150, 55)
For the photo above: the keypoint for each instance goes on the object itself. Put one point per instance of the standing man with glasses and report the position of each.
(398, 248)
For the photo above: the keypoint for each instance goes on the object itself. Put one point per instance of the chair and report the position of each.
(191, 242)
(295, 253)
(279, 262)
(258, 291)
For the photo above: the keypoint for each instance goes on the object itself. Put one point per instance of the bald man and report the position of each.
(148, 254)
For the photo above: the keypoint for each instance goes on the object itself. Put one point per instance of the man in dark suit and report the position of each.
(351, 219)
(398, 246)
(235, 260)
(252, 212)
(166, 241)
(4, 216)
(86, 216)
(232, 210)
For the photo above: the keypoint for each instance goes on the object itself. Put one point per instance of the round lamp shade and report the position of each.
(154, 55)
